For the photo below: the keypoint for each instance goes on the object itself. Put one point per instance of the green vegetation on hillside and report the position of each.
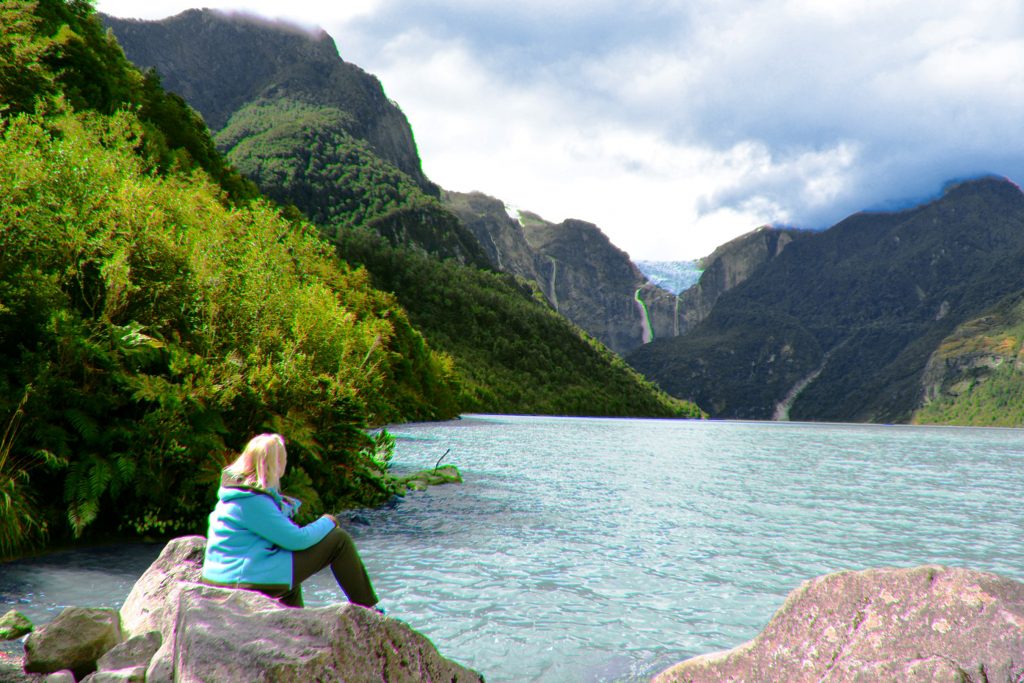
(511, 351)
(976, 374)
(149, 324)
(997, 400)
(303, 154)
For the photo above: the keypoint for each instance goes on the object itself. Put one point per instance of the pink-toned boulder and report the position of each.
(149, 605)
(929, 624)
(235, 635)
(221, 634)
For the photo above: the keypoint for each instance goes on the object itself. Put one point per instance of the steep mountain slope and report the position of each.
(286, 94)
(300, 145)
(728, 266)
(842, 323)
(580, 272)
(246, 59)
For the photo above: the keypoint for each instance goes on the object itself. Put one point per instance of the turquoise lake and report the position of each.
(609, 549)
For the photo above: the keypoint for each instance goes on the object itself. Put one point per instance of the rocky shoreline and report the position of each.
(929, 623)
(172, 628)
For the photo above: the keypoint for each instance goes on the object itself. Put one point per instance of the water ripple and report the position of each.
(606, 550)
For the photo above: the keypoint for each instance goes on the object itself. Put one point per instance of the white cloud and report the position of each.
(306, 12)
(676, 126)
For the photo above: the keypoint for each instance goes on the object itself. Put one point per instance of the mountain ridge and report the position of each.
(232, 77)
(863, 304)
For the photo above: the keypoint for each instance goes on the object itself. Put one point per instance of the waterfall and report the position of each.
(645, 319)
(552, 292)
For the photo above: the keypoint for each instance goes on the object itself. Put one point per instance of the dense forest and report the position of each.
(154, 312)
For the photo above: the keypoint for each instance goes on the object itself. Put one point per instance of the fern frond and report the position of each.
(84, 424)
(100, 475)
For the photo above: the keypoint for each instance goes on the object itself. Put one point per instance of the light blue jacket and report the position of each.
(251, 537)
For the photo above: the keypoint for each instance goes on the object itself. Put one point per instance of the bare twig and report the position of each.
(441, 458)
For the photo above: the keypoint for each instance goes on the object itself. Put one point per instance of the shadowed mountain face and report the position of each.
(579, 271)
(309, 128)
(221, 62)
(842, 323)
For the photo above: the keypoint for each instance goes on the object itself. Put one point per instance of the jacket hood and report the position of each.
(232, 488)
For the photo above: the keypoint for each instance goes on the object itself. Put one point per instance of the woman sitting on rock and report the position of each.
(253, 543)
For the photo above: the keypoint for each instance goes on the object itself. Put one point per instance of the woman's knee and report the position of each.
(340, 538)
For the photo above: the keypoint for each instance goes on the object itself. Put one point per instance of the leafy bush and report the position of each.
(159, 328)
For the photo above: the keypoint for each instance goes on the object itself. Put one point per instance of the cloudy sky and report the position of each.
(678, 125)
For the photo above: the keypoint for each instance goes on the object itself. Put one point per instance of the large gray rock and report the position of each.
(147, 606)
(219, 634)
(930, 623)
(75, 640)
(234, 635)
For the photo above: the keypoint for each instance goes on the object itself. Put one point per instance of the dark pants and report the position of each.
(338, 551)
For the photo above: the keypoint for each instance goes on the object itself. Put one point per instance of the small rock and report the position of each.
(75, 640)
(136, 674)
(63, 676)
(359, 519)
(134, 652)
(14, 625)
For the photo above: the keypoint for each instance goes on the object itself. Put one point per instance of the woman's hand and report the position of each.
(332, 518)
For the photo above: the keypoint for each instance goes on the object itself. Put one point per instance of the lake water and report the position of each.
(607, 549)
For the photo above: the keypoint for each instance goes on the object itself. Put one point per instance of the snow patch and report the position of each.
(675, 276)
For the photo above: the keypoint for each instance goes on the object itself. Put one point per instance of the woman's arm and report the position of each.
(262, 516)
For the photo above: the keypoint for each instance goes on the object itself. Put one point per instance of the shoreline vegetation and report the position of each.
(156, 311)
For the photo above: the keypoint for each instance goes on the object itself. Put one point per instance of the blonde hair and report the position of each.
(261, 463)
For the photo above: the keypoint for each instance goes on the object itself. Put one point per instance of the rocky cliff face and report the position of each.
(220, 62)
(500, 234)
(730, 265)
(594, 284)
(573, 264)
(727, 267)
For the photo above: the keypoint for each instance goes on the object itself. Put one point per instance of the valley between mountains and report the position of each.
(909, 316)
